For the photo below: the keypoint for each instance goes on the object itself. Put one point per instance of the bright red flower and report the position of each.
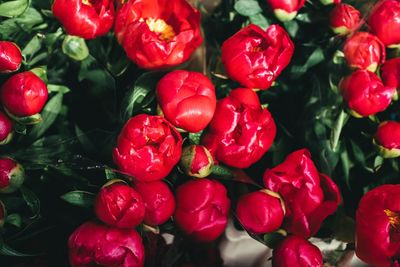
(295, 251)
(158, 33)
(158, 200)
(344, 19)
(95, 244)
(6, 129)
(390, 73)
(10, 57)
(260, 212)
(365, 94)
(285, 10)
(187, 99)
(364, 51)
(377, 226)
(387, 138)
(384, 21)
(241, 131)
(24, 94)
(85, 18)
(255, 58)
(202, 209)
(12, 175)
(119, 205)
(309, 196)
(197, 161)
(148, 148)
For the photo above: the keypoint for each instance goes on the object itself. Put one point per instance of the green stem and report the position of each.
(337, 129)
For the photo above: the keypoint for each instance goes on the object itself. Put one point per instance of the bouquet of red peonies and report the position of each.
(199, 133)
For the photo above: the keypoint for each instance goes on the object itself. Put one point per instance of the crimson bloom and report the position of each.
(377, 226)
(158, 33)
(6, 129)
(309, 196)
(187, 99)
(364, 51)
(387, 139)
(119, 205)
(202, 209)
(260, 212)
(148, 148)
(24, 94)
(241, 131)
(95, 244)
(384, 22)
(12, 175)
(344, 19)
(390, 73)
(254, 57)
(10, 57)
(158, 201)
(285, 10)
(295, 251)
(197, 161)
(365, 93)
(85, 18)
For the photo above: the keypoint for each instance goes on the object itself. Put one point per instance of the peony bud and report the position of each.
(119, 205)
(364, 51)
(158, 201)
(6, 129)
(3, 214)
(197, 161)
(344, 19)
(365, 94)
(10, 57)
(261, 212)
(95, 244)
(384, 22)
(285, 10)
(23, 96)
(187, 99)
(202, 209)
(85, 18)
(390, 73)
(295, 251)
(12, 175)
(387, 139)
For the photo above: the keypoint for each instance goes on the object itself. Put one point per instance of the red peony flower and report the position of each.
(285, 10)
(309, 196)
(344, 19)
(387, 139)
(85, 18)
(95, 244)
(241, 131)
(202, 209)
(390, 73)
(254, 57)
(12, 175)
(158, 33)
(6, 129)
(187, 99)
(197, 161)
(10, 57)
(365, 94)
(148, 148)
(119, 205)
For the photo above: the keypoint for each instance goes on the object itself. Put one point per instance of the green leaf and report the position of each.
(247, 7)
(14, 219)
(273, 239)
(32, 201)
(111, 174)
(7, 251)
(259, 20)
(32, 47)
(195, 137)
(15, 8)
(222, 171)
(54, 88)
(21, 24)
(79, 198)
(49, 115)
(337, 129)
(75, 47)
(315, 58)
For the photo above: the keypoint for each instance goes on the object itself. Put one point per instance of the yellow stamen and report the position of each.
(86, 2)
(394, 219)
(161, 27)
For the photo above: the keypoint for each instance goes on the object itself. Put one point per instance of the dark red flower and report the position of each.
(158, 201)
(364, 51)
(384, 21)
(344, 19)
(10, 57)
(255, 58)
(119, 205)
(390, 73)
(12, 175)
(202, 209)
(24, 94)
(158, 33)
(148, 148)
(85, 18)
(285, 10)
(95, 244)
(365, 93)
(241, 131)
(295, 251)
(309, 196)
(261, 212)
(187, 99)
(6, 129)
(197, 161)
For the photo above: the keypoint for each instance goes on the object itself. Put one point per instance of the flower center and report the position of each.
(86, 2)
(166, 32)
(394, 219)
